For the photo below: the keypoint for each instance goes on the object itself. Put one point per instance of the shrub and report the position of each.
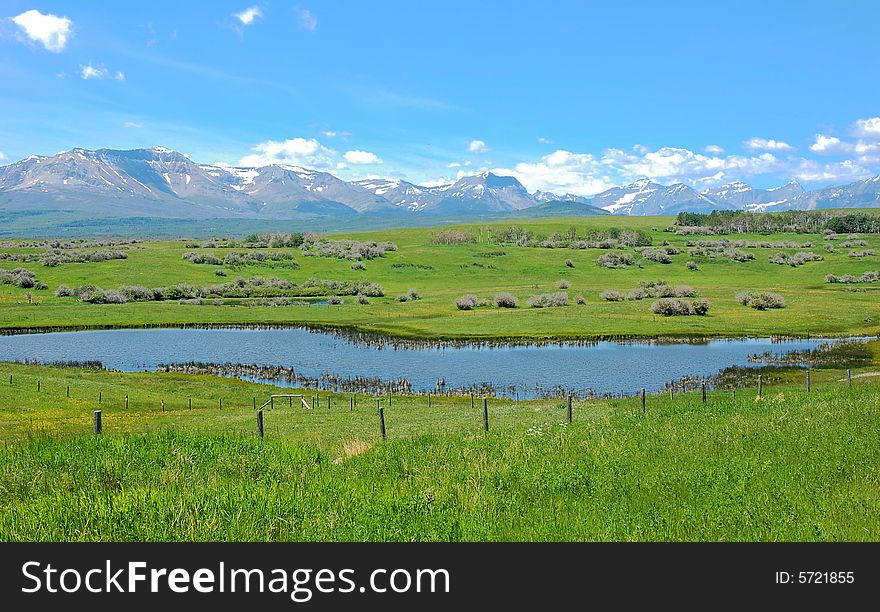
(413, 294)
(506, 300)
(358, 265)
(137, 293)
(675, 307)
(798, 259)
(548, 300)
(615, 260)
(63, 291)
(563, 284)
(611, 295)
(450, 236)
(862, 253)
(692, 265)
(760, 300)
(569, 263)
(403, 297)
(867, 277)
(581, 300)
(220, 272)
(656, 254)
(372, 290)
(20, 277)
(362, 299)
(467, 302)
(334, 300)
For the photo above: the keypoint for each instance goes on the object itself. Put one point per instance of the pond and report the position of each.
(327, 360)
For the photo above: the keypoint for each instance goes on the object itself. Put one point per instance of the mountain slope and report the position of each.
(83, 185)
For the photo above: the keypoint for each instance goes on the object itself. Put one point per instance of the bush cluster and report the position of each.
(410, 296)
(867, 277)
(760, 300)
(654, 289)
(56, 257)
(675, 307)
(20, 277)
(548, 300)
(241, 258)
(506, 300)
(469, 302)
(450, 236)
(798, 259)
(615, 260)
(345, 249)
(862, 253)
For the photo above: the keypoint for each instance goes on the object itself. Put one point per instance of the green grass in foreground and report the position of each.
(441, 273)
(793, 466)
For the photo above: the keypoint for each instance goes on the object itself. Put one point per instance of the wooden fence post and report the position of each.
(848, 378)
(329, 397)
(260, 422)
(351, 403)
(429, 400)
(255, 403)
(760, 385)
(671, 392)
(808, 380)
(97, 418)
(190, 403)
(642, 397)
(472, 401)
(39, 384)
(703, 391)
(126, 403)
(569, 409)
(381, 421)
(163, 405)
(486, 414)
(68, 390)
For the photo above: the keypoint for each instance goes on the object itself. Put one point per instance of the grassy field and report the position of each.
(441, 273)
(792, 466)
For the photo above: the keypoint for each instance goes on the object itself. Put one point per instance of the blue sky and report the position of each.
(567, 96)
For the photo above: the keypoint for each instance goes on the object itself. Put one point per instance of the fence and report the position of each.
(349, 400)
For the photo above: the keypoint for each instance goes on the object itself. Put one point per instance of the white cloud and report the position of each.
(587, 174)
(830, 145)
(545, 141)
(764, 144)
(335, 134)
(49, 30)
(812, 171)
(132, 125)
(361, 157)
(477, 146)
(307, 21)
(453, 165)
(120, 76)
(713, 149)
(92, 72)
(868, 128)
(249, 15)
(2, 155)
(294, 151)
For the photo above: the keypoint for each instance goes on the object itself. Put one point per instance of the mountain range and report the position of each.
(161, 183)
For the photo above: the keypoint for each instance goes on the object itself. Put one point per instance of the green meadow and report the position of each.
(179, 457)
(442, 273)
(791, 465)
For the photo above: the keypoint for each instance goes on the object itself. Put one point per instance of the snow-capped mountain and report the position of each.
(861, 194)
(645, 197)
(159, 182)
(741, 196)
